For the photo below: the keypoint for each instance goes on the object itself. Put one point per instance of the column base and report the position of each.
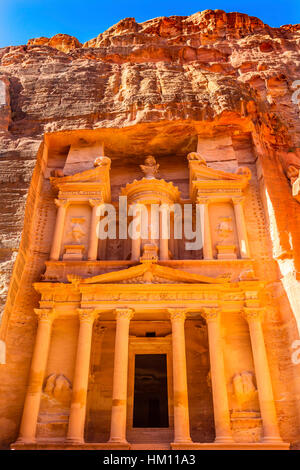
(272, 440)
(74, 441)
(115, 440)
(223, 440)
(183, 441)
(24, 441)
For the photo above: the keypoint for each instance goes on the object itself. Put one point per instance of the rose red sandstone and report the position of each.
(152, 88)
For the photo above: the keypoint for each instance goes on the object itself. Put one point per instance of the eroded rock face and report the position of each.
(151, 88)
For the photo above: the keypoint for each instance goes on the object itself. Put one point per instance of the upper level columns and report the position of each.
(218, 378)
(62, 205)
(119, 399)
(205, 228)
(93, 239)
(164, 232)
(136, 233)
(263, 378)
(241, 226)
(181, 406)
(75, 433)
(36, 378)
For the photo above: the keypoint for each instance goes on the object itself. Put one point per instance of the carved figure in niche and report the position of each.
(247, 275)
(292, 173)
(244, 388)
(244, 171)
(150, 167)
(57, 173)
(77, 232)
(192, 156)
(102, 161)
(58, 387)
(224, 228)
(208, 380)
(149, 253)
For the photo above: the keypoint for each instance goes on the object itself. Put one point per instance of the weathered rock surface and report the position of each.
(227, 77)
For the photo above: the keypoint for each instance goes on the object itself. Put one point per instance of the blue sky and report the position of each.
(21, 20)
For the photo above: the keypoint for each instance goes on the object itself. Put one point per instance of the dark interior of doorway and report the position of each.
(150, 409)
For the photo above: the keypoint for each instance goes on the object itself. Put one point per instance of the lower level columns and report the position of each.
(263, 378)
(218, 378)
(119, 399)
(75, 433)
(27, 433)
(181, 406)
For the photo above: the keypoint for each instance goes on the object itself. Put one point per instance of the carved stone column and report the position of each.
(75, 433)
(31, 408)
(62, 205)
(136, 242)
(93, 239)
(205, 227)
(218, 377)
(163, 235)
(119, 399)
(181, 406)
(262, 372)
(241, 226)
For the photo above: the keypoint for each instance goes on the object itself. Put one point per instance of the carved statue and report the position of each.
(292, 173)
(77, 232)
(244, 171)
(196, 156)
(244, 388)
(57, 386)
(102, 161)
(150, 167)
(224, 228)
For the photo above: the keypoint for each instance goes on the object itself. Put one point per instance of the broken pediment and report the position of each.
(149, 273)
(94, 179)
(210, 179)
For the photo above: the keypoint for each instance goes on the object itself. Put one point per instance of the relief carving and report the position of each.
(77, 233)
(150, 167)
(245, 390)
(57, 387)
(195, 156)
(224, 228)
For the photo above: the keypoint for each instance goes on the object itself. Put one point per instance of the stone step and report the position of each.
(150, 446)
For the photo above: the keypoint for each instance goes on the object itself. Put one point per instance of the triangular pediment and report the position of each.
(92, 175)
(148, 273)
(203, 172)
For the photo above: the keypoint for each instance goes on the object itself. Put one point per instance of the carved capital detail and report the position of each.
(86, 314)
(238, 200)
(253, 313)
(211, 313)
(95, 202)
(46, 315)
(177, 314)
(203, 200)
(61, 203)
(124, 313)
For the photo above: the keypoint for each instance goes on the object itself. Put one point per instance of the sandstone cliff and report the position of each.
(157, 84)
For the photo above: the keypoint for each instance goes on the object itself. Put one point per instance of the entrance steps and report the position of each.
(150, 446)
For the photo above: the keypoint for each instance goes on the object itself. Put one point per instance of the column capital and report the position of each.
(62, 203)
(177, 314)
(238, 200)
(250, 313)
(126, 313)
(211, 314)
(87, 314)
(45, 315)
(96, 202)
(203, 200)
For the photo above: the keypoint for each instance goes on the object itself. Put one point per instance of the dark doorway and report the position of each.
(150, 408)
